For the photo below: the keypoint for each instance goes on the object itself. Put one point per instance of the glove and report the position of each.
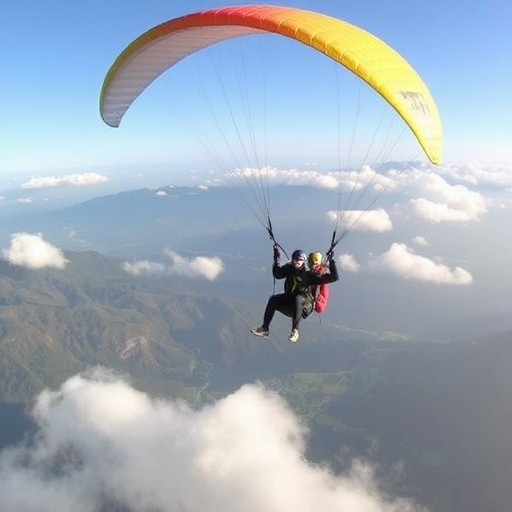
(277, 254)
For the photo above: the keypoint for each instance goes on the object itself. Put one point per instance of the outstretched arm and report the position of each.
(278, 271)
(328, 277)
(333, 272)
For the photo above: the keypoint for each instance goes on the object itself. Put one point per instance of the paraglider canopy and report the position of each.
(365, 55)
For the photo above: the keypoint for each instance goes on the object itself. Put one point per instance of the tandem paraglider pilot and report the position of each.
(301, 289)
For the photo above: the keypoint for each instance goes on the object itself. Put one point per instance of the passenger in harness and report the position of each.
(297, 301)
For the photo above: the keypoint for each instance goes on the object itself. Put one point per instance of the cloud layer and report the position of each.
(442, 194)
(103, 444)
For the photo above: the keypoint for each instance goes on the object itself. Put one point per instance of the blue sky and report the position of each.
(55, 55)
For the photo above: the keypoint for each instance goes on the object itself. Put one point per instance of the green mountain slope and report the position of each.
(169, 338)
(54, 323)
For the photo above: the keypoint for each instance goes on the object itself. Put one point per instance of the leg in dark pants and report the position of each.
(297, 311)
(289, 305)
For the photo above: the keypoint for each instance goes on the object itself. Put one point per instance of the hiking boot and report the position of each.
(294, 336)
(262, 332)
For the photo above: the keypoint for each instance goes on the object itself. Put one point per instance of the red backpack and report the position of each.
(322, 296)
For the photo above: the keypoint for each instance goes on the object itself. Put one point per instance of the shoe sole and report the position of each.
(259, 334)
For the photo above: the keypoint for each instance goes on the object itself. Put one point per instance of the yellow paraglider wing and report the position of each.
(365, 55)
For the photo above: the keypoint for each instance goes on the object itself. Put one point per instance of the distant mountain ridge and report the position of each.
(130, 222)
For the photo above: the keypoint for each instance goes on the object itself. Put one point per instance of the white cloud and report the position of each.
(101, 443)
(348, 263)
(443, 212)
(366, 177)
(143, 267)
(420, 240)
(76, 180)
(363, 220)
(402, 261)
(487, 173)
(31, 251)
(447, 202)
(201, 266)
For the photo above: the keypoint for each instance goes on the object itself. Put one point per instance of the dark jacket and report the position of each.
(304, 282)
(300, 280)
(296, 280)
